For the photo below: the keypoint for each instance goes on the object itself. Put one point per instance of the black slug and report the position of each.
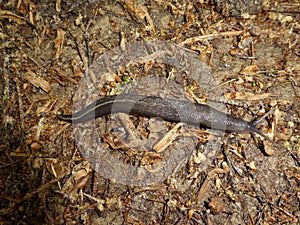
(167, 109)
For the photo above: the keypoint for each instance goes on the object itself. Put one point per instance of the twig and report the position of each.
(210, 36)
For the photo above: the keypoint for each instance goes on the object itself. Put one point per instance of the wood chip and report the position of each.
(37, 81)
(59, 42)
(167, 139)
(9, 15)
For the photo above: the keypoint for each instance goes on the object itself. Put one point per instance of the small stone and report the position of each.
(268, 148)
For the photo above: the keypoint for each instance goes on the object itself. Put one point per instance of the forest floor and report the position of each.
(242, 58)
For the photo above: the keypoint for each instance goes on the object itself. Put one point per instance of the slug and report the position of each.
(167, 109)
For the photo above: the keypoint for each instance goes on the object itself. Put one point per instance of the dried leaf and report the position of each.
(249, 70)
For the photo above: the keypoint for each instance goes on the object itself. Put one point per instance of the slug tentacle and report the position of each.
(258, 120)
(252, 126)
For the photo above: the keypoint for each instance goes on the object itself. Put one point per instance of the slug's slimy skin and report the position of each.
(167, 109)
